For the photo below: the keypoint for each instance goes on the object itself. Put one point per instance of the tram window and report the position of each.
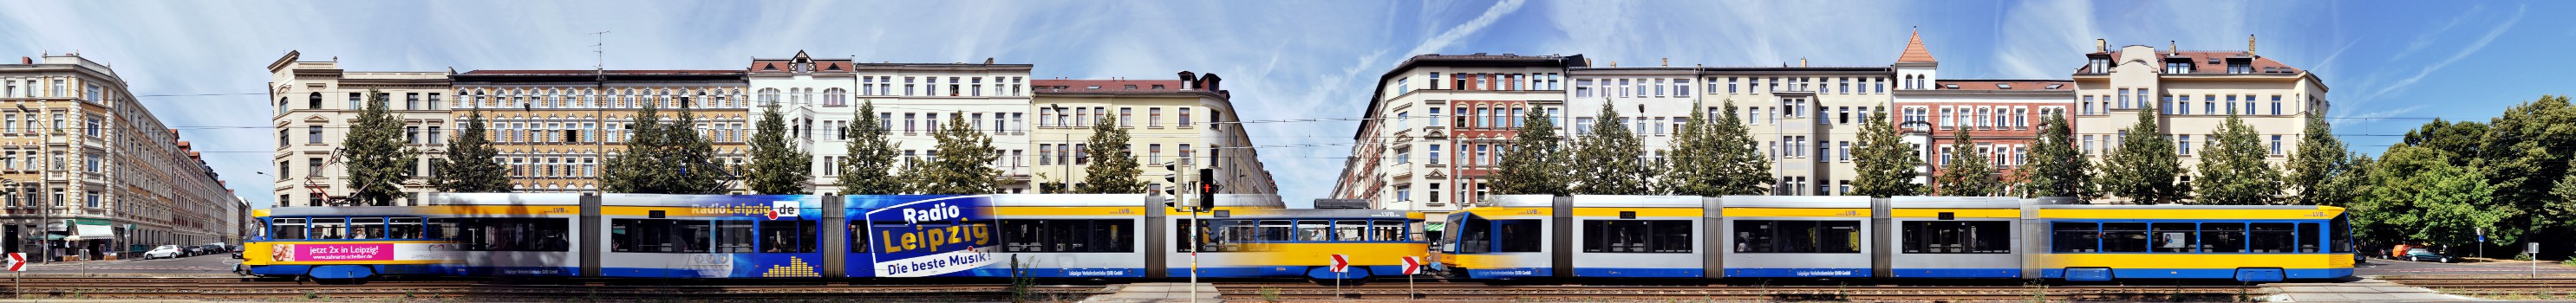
(2222, 237)
(787, 236)
(1797, 236)
(439, 228)
(2308, 238)
(1957, 237)
(287, 229)
(329, 228)
(2341, 234)
(1474, 235)
(2273, 238)
(858, 239)
(1386, 231)
(1636, 236)
(2125, 237)
(367, 228)
(2174, 237)
(1349, 230)
(1181, 240)
(1314, 230)
(1068, 235)
(2075, 237)
(403, 228)
(1235, 233)
(1519, 235)
(735, 236)
(1277, 231)
(516, 234)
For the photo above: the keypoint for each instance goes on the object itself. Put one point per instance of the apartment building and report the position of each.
(317, 102)
(821, 97)
(1190, 122)
(88, 172)
(1417, 148)
(2001, 116)
(554, 128)
(2191, 93)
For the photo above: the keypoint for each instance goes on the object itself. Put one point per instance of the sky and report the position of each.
(201, 65)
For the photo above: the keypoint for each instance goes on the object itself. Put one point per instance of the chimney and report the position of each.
(1668, 61)
(988, 60)
(2170, 46)
(26, 60)
(1802, 62)
(2101, 45)
(2249, 46)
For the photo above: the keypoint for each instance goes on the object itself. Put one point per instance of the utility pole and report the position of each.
(599, 112)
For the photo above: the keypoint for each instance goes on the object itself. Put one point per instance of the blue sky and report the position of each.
(2391, 65)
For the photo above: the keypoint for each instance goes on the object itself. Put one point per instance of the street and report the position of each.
(2398, 267)
(206, 264)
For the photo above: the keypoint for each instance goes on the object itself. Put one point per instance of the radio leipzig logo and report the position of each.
(782, 209)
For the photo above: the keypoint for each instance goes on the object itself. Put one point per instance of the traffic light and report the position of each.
(1172, 184)
(1207, 188)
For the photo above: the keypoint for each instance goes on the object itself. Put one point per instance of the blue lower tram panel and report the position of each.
(2239, 274)
(2007, 273)
(1797, 272)
(1640, 272)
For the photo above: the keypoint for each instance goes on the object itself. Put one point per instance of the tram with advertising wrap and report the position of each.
(649, 236)
(1765, 237)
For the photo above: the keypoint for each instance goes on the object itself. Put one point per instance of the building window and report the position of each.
(1435, 154)
(2183, 144)
(2276, 145)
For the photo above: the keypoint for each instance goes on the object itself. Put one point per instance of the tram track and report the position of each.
(239, 289)
(2488, 285)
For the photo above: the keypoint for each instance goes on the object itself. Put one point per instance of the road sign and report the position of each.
(1341, 263)
(1412, 265)
(17, 261)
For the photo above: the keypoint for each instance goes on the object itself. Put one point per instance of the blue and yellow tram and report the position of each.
(1684, 237)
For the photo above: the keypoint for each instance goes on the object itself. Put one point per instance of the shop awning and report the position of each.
(93, 232)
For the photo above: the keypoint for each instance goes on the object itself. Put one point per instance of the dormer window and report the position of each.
(2056, 86)
(2003, 86)
(1949, 86)
(2240, 66)
(1158, 86)
(2178, 66)
(1131, 87)
(1094, 87)
(2098, 64)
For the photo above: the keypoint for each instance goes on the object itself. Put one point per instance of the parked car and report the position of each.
(2426, 255)
(195, 250)
(163, 252)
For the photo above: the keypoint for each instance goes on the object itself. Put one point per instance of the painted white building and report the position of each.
(821, 97)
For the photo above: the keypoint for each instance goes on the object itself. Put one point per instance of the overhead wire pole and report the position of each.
(598, 113)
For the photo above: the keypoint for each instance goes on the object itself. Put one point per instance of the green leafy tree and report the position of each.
(2057, 168)
(472, 164)
(1886, 165)
(962, 163)
(2233, 171)
(1113, 165)
(666, 158)
(1968, 173)
(2143, 168)
(1741, 168)
(909, 175)
(378, 161)
(1694, 169)
(870, 169)
(2421, 198)
(1534, 165)
(2319, 160)
(2461, 139)
(777, 167)
(2525, 153)
(1611, 159)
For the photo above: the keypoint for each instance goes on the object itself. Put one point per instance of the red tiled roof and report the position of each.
(1084, 85)
(2008, 85)
(1914, 52)
(2201, 61)
(611, 72)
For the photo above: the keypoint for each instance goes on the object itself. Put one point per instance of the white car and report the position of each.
(163, 252)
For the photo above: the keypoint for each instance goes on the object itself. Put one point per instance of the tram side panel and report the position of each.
(1797, 237)
(1069, 236)
(1509, 240)
(2245, 243)
(511, 234)
(710, 236)
(1637, 236)
(1955, 237)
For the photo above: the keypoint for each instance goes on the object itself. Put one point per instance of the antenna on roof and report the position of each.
(599, 51)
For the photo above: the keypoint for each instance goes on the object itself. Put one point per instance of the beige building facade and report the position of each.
(1189, 122)
(315, 102)
(2191, 93)
(89, 172)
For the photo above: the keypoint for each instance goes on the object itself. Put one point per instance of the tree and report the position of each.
(1534, 163)
(665, 158)
(1742, 170)
(2524, 153)
(1611, 157)
(1694, 169)
(961, 164)
(1887, 165)
(2143, 168)
(2422, 198)
(869, 171)
(777, 167)
(1967, 173)
(378, 161)
(2320, 159)
(1113, 165)
(472, 165)
(2232, 170)
(2057, 168)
